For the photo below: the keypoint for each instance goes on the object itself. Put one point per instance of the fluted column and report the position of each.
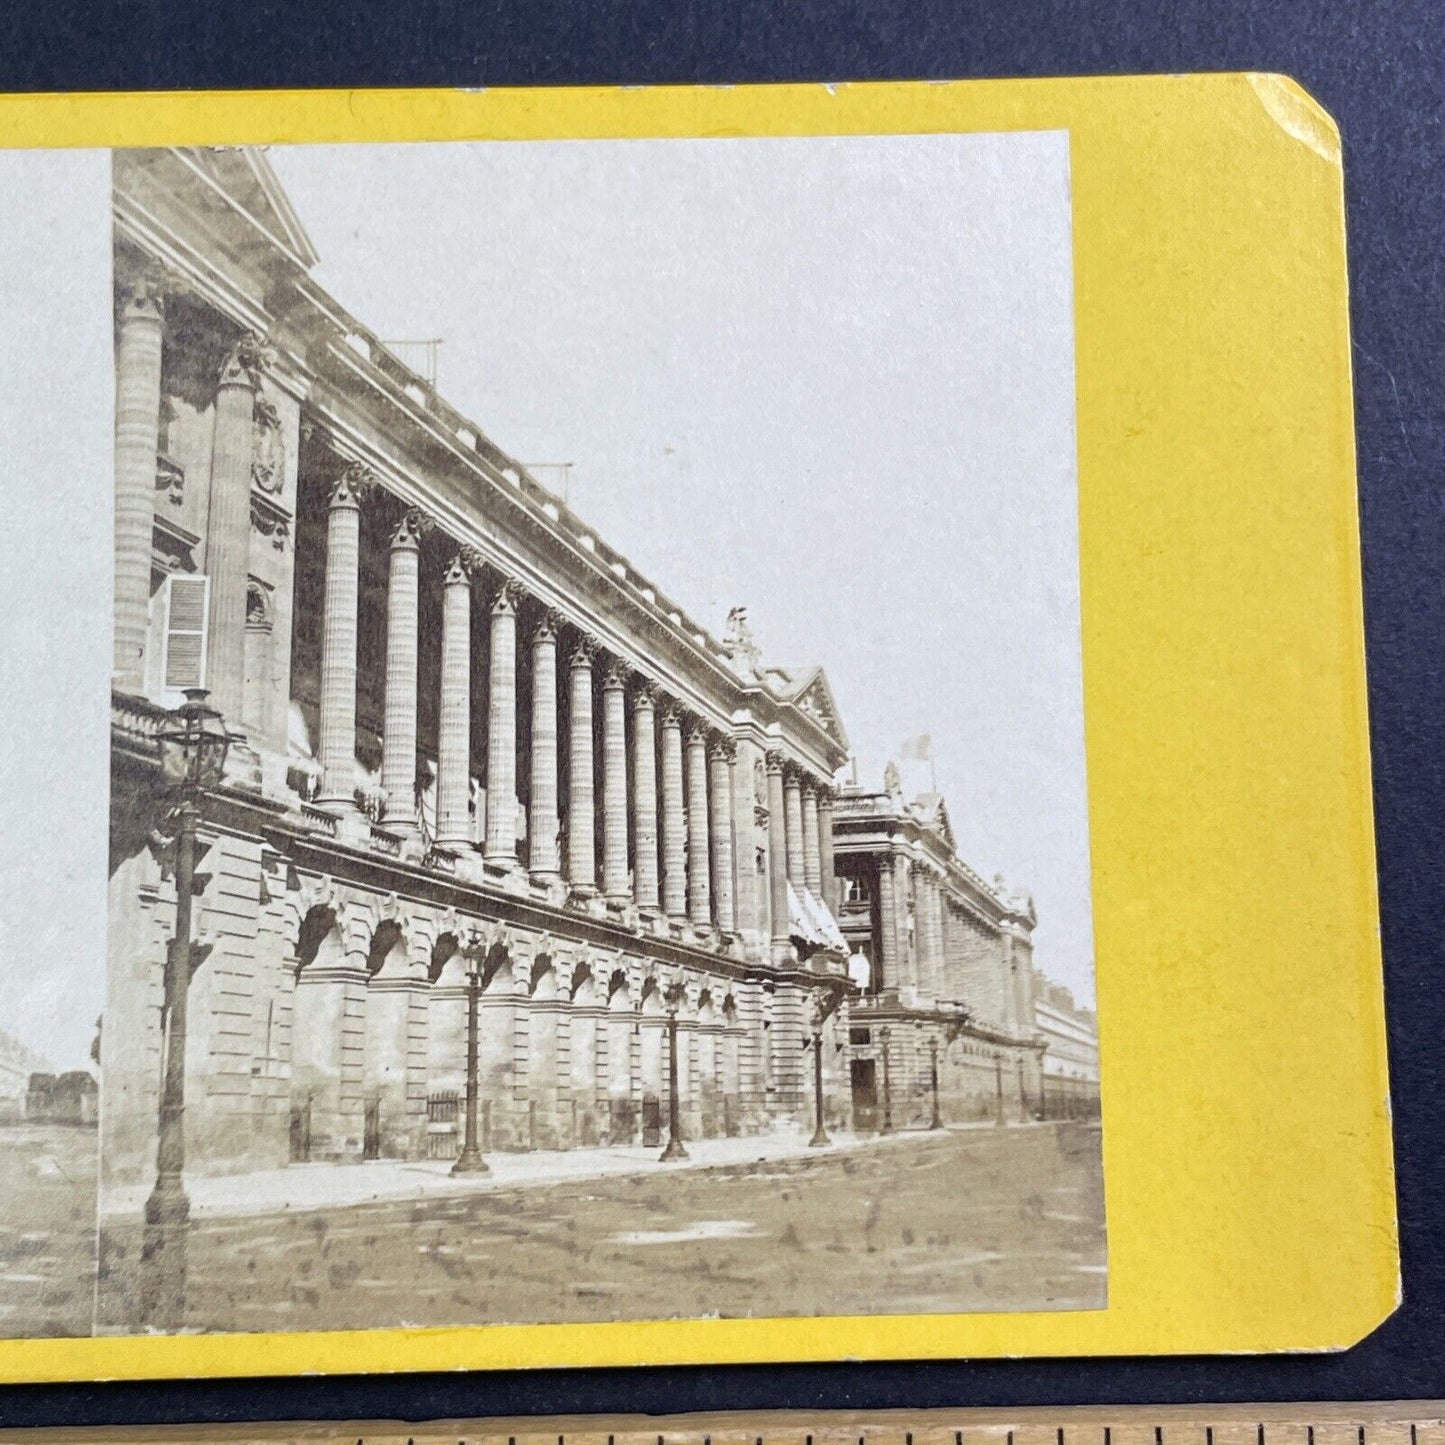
(137, 440)
(793, 819)
(720, 760)
(228, 528)
(699, 901)
(542, 820)
(777, 853)
(454, 728)
(398, 743)
(674, 845)
(644, 795)
(812, 847)
(825, 849)
(927, 929)
(338, 639)
(501, 844)
(887, 971)
(581, 817)
(614, 781)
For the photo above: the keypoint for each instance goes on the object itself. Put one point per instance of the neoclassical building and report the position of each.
(469, 737)
(944, 962)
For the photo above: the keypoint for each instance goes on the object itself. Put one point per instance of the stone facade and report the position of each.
(944, 962)
(469, 738)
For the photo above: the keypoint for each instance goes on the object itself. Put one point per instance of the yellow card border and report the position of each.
(1248, 1167)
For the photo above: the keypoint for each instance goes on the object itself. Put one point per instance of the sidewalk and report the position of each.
(301, 1188)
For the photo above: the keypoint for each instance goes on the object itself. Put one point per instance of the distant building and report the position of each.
(69, 1098)
(17, 1063)
(1071, 1053)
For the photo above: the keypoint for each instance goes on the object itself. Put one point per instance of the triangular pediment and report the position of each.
(814, 697)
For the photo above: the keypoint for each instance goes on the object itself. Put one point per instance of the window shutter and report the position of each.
(187, 602)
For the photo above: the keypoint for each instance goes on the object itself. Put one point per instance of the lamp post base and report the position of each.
(470, 1161)
(163, 1257)
(820, 1139)
(674, 1150)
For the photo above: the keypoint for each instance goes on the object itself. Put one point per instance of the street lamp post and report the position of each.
(886, 1034)
(936, 1122)
(674, 1149)
(470, 1160)
(193, 756)
(820, 1134)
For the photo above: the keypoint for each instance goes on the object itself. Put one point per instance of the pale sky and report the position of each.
(831, 379)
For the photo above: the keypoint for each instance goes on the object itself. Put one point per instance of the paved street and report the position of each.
(47, 1240)
(974, 1220)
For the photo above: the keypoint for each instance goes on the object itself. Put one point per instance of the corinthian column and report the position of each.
(812, 847)
(644, 795)
(720, 758)
(793, 820)
(825, 849)
(501, 845)
(338, 636)
(699, 904)
(614, 781)
(907, 953)
(228, 532)
(777, 854)
(137, 440)
(398, 743)
(542, 824)
(581, 820)
(454, 726)
(674, 846)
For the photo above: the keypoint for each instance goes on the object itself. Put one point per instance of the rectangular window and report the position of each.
(187, 602)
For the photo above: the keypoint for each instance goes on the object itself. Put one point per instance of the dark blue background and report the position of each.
(1380, 69)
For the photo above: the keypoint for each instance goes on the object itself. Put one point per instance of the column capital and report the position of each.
(696, 731)
(249, 359)
(722, 750)
(547, 627)
(669, 713)
(505, 597)
(810, 786)
(583, 654)
(141, 293)
(646, 693)
(458, 574)
(614, 679)
(408, 532)
(356, 482)
(777, 764)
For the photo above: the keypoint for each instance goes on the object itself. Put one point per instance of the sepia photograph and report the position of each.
(598, 810)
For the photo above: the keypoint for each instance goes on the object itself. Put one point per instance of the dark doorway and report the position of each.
(371, 1138)
(301, 1130)
(864, 1074)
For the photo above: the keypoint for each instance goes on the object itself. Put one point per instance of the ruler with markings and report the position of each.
(1399, 1423)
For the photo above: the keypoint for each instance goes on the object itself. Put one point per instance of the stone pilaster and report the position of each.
(398, 743)
(886, 971)
(644, 795)
(674, 845)
(720, 761)
(699, 901)
(812, 847)
(501, 836)
(581, 818)
(542, 822)
(338, 637)
(454, 728)
(137, 441)
(793, 820)
(825, 849)
(907, 948)
(614, 781)
(228, 534)
(777, 854)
